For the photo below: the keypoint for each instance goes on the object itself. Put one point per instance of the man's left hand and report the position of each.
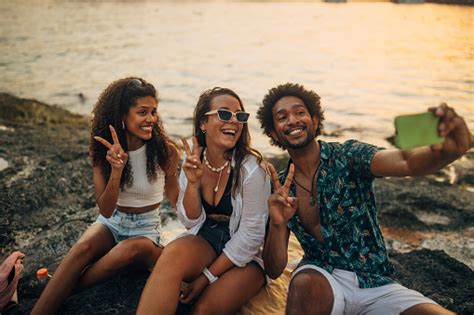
(453, 127)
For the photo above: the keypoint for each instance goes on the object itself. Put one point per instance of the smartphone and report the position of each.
(416, 130)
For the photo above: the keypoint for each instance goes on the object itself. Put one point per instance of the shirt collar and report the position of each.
(323, 152)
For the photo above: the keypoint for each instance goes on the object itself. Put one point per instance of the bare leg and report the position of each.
(94, 243)
(309, 293)
(231, 291)
(427, 309)
(182, 259)
(139, 251)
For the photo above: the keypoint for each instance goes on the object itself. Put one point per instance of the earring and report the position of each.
(203, 131)
(123, 125)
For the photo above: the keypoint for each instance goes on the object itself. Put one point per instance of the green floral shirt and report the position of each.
(352, 237)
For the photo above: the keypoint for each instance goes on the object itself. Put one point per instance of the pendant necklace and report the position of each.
(215, 169)
(312, 198)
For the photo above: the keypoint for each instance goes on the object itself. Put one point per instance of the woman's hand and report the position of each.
(281, 207)
(116, 156)
(194, 289)
(192, 166)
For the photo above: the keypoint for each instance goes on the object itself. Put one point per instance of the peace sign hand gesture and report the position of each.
(192, 166)
(116, 156)
(281, 207)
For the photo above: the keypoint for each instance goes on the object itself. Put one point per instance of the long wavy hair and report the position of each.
(112, 106)
(242, 147)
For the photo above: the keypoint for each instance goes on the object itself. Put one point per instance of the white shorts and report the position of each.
(350, 299)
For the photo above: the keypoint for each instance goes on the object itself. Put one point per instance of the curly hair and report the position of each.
(242, 147)
(310, 99)
(113, 104)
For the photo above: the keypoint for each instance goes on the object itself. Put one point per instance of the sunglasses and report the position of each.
(135, 83)
(226, 115)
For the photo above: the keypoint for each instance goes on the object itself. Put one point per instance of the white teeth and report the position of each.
(232, 132)
(295, 131)
(147, 128)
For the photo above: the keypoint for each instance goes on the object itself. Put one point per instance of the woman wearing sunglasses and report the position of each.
(134, 166)
(223, 203)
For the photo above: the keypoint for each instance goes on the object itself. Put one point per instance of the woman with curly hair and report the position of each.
(134, 166)
(223, 202)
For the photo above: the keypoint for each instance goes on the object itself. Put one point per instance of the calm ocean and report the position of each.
(368, 61)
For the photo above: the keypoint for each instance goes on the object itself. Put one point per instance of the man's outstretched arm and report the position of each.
(429, 159)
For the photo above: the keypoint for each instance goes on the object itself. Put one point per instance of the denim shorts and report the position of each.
(216, 234)
(124, 225)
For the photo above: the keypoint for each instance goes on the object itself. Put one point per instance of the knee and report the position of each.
(82, 250)
(302, 283)
(127, 253)
(312, 287)
(173, 249)
(172, 255)
(169, 261)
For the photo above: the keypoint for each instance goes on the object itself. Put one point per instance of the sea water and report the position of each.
(368, 61)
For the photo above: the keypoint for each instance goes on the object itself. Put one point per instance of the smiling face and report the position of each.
(294, 127)
(220, 134)
(139, 121)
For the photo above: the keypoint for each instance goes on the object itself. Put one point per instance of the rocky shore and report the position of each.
(47, 201)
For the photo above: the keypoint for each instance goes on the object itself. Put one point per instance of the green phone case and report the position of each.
(416, 130)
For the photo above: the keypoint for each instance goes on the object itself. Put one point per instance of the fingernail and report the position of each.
(118, 155)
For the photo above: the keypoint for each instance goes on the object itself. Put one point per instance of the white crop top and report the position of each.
(142, 193)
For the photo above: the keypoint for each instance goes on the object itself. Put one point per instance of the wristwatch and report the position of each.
(209, 275)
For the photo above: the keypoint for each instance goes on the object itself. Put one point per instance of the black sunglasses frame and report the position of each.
(221, 112)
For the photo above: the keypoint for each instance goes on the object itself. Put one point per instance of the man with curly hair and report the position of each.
(325, 197)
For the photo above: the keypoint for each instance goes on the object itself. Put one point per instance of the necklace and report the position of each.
(216, 169)
(312, 199)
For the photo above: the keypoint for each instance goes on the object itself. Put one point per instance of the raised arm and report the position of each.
(429, 159)
(281, 209)
(193, 171)
(107, 191)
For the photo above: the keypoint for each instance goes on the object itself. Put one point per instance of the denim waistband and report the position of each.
(135, 216)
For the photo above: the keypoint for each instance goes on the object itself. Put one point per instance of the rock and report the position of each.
(23, 111)
(437, 276)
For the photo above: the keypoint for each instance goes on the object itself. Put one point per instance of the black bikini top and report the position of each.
(225, 204)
